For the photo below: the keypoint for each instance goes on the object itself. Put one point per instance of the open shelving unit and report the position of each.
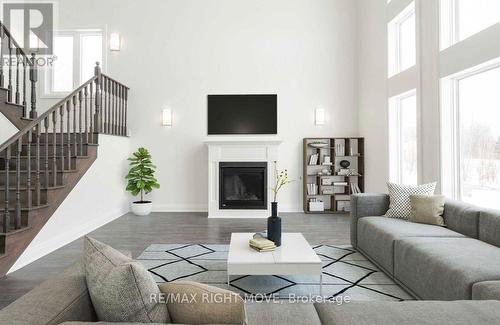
(335, 197)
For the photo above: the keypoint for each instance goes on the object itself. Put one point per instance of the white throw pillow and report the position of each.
(399, 197)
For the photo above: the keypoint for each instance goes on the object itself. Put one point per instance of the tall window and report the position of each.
(472, 116)
(402, 41)
(76, 54)
(463, 18)
(403, 138)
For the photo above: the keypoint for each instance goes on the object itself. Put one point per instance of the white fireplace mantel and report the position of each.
(238, 150)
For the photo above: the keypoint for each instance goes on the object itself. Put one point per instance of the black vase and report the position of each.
(274, 225)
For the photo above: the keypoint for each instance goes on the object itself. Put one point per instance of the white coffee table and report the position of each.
(294, 257)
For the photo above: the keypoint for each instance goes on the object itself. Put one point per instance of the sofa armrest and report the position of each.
(202, 304)
(486, 290)
(62, 298)
(366, 205)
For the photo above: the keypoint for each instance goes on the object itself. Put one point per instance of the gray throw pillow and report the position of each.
(427, 209)
(119, 287)
(399, 198)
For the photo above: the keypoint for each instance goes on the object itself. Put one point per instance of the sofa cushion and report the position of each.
(445, 268)
(427, 209)
(462, 217)
(120, 288)
(399, 206)
(489, 227)
(410, 313)
(486, 290)
(259, 313)
(376, 236)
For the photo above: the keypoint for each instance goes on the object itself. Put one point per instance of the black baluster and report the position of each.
(61, 125)
(86, 95)
(25, 105)
(126, 112)
(46, 165)
(18, 183)
(80, 99)
(75, 142)
(2, 36)
(120, 113)
(110, 107)
(54, 148)
(18, 95)
(92, 125)
(6, 214)
(28, 173)
(37, 172)
(33, 79)
(9, 87)
(98, 98)
(68, 132)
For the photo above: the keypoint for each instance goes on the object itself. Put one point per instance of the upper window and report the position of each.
(402, 41)
(471, 155)
(76, 54)
(463, 18)
(403, 138)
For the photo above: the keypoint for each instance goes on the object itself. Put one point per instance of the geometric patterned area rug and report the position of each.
(346, 273)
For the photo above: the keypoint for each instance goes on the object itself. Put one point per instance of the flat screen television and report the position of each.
(242, 114)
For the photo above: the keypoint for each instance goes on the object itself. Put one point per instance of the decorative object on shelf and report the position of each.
(345, 163)
(319, 144)
(327, 161)
(340, 149)
(327, 191)
(274, 222)
(141, 180)
(326, 172)
(326, 181)
(343, 172)
(316, 205)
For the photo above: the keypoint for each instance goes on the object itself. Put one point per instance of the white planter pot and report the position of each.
(142, 209)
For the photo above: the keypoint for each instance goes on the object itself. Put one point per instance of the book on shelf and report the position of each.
(355, 188)
(313, 160)
(340, 184)
(312, 189)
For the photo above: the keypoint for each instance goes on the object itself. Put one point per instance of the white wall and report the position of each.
(175, 52)
(7, 129)
(97, 199)
(372, 91)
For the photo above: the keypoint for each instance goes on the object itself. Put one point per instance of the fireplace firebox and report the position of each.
(243, 185)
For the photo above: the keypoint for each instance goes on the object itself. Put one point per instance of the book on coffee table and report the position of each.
(262, 244)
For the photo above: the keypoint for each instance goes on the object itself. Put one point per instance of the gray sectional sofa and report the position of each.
(457, 262)
(460, 262)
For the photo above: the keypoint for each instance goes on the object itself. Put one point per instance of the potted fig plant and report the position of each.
(141, 180)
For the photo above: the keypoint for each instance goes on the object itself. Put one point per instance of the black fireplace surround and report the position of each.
(243, 185)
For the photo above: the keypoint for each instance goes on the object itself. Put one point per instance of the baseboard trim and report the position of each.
(65, 238)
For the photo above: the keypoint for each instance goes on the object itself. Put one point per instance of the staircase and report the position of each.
(42, 163)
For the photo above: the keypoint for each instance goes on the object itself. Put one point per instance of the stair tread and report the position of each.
(24, 188)
(42, 171)
(15, 104)
(50, 156)
(15, 231)
(33, 208)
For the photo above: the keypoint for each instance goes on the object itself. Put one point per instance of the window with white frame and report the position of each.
(403, 138)
(76, 53)
(460, 19)
(471, 135)
(402, 41)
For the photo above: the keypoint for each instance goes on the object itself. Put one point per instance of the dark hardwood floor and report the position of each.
(134, 234)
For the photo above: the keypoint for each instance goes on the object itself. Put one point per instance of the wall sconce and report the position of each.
(167, 117)
(320, 116)
(114, 42)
